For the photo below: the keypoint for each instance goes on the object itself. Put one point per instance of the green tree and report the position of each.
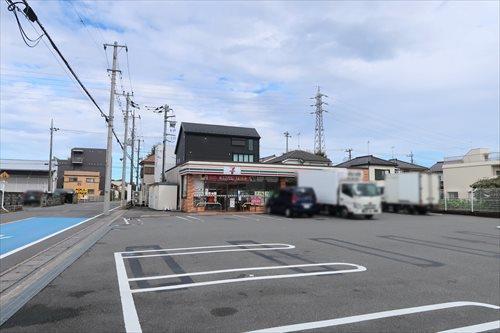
(487, 183)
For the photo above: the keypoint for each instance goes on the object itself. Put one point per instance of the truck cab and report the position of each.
(359, 198)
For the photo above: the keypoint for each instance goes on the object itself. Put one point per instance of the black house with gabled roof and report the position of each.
(216, 143)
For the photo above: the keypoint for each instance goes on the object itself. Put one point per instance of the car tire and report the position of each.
(269, 211)
(288, 212)
(368, 216)
(344, 213)
(310, 215)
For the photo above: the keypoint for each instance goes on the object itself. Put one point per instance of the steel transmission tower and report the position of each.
(319, 134)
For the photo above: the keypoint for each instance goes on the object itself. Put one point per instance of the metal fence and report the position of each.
(480, 200)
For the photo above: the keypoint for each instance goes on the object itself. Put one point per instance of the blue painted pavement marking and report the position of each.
(15, 235)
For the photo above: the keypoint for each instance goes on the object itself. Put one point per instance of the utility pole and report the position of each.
(168, 113)
(410, 155)
(124, 155)
(138, 161)
(349, 151)
(109, 147)
(132, 144)
(52, 130)
(287, 136)
(319, 135)
(298, 140)
(368, 146)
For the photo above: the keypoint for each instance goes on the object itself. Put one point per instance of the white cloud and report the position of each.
(413, 75)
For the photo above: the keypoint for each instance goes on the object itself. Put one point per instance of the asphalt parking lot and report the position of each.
(157, 271)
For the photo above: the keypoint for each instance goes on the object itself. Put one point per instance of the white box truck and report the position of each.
(341, 191)
(412, 191)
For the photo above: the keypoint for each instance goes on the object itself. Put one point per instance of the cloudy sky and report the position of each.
(419, 77)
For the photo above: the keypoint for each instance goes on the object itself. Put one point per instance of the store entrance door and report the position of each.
(232, 198)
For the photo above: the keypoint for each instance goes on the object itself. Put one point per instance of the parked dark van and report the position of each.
(293, 201)
(32, 197)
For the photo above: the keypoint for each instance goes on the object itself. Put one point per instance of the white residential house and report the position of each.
(460, 172)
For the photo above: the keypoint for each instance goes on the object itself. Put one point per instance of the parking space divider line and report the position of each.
(475, 328)
(253, 278)
(370, 316)
(285, 246)
(264, 268)
(195, 218)
(203, 252)
(130, 317)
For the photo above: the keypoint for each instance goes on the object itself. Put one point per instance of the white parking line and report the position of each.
(276, 246)
(475, 328)
(273, 217)
(183, 218)
(265, 268)
(370, 316)
(130, 316)
(126, 221)
(255, 278)
(247, 217)
(128, 307)
(195, 218)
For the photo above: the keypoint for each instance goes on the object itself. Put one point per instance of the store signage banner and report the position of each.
(229, 178)
(232, 170)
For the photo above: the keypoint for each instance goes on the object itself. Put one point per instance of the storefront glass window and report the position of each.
(184, 186)
(234, 193)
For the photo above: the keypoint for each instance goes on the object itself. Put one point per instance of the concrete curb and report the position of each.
(32, 285)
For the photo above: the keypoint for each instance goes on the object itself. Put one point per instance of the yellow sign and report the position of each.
(4, 175)
(82, 191)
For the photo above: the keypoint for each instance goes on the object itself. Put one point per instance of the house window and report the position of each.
(90, 180)
(250, 144)
(498, 173)
(72, 179)
(90, 191)
(380, 174)
(243, 158)
(238, 142)
(452, 195)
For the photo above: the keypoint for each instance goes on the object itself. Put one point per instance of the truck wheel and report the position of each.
(422, 211)
(344, 212)
(368, 217)
(288, 212)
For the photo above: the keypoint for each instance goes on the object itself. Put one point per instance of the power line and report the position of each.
(14, 9)
(31, 16)
(88, 30)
